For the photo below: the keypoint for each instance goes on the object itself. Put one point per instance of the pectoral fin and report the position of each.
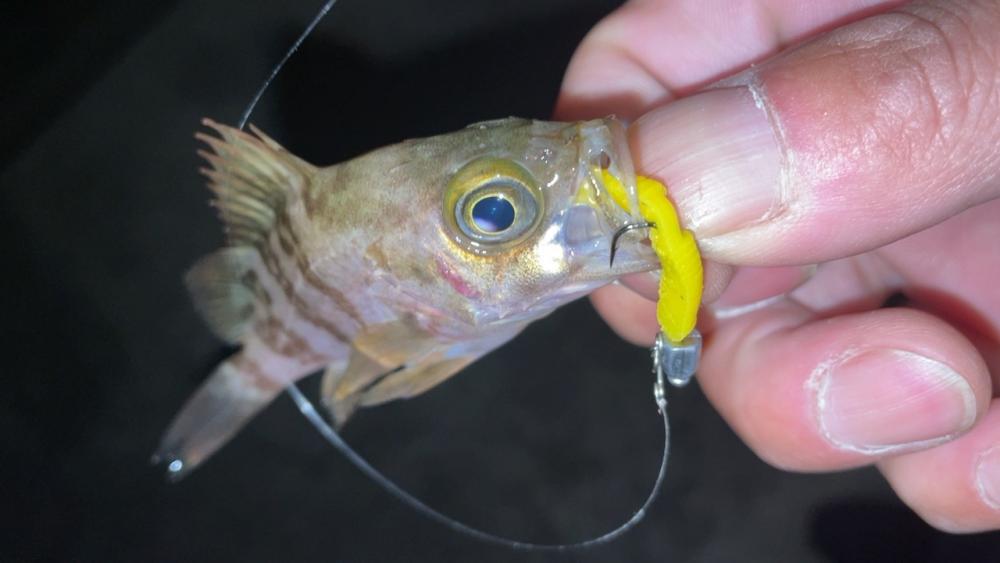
(413, 380)
(378, 351)
(341, 386)
(221, 286)
(368, 384)
(392, 344)
(398, 361)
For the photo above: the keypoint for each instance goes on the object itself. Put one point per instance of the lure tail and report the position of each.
(224, 403)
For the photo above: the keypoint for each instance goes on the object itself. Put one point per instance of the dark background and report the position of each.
(553, 438)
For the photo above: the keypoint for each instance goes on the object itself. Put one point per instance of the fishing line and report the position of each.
(281, 64)
(309, 411)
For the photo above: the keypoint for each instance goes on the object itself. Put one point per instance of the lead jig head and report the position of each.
(677, 362)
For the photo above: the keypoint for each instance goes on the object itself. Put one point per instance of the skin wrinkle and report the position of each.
(919, 99)
(973, 68)
(954, 105)
(964, 66)
(632, 57)
(904, 108)
(611, 38)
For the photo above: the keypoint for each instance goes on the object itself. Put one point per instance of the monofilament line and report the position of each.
(281, 64)
(308, 410)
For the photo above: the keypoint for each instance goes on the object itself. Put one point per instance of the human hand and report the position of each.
(872, 150)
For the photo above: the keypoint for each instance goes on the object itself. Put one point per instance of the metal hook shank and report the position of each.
(621, 232)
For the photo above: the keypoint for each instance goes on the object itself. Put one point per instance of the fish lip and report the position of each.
(605, 146)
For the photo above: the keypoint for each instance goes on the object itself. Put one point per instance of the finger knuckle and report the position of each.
(928, 76)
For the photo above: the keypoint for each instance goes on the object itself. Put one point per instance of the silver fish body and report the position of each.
(396, 269)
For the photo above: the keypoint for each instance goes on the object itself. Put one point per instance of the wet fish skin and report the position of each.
(363, 269)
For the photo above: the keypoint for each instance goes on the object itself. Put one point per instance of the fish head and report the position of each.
(524, 221)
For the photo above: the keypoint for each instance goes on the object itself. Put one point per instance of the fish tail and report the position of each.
(225, 402)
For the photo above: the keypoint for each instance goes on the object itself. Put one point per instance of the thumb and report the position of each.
(863, 136)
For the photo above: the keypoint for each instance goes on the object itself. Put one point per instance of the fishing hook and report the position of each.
(621, 232)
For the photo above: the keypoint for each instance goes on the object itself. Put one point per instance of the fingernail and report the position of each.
(988, 477)
(882, 400)
(719, 155)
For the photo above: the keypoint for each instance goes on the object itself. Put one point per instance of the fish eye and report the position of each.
(493, 214)
(499, 210)
(492, 203)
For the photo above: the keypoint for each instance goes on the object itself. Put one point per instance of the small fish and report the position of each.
(394, 270)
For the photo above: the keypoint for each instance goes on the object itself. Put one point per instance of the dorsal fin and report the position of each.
(253, 179)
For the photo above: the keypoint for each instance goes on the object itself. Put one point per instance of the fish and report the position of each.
(393, 271)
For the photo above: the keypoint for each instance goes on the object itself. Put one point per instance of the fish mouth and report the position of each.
(598, 211)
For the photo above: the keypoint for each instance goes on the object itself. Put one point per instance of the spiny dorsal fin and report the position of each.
(253, 178)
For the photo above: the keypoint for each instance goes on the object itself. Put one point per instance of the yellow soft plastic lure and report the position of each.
(681, 277)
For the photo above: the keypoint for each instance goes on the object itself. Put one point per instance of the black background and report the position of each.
(553, 438)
